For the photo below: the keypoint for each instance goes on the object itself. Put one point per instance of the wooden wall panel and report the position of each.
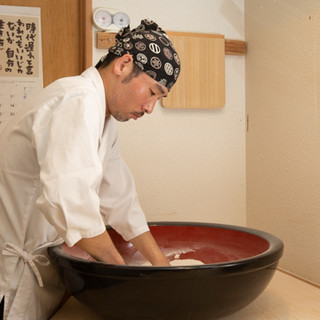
(201, 84)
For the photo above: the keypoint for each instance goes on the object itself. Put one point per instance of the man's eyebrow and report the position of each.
(160, 88)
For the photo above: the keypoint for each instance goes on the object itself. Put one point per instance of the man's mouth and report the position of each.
(137, 115)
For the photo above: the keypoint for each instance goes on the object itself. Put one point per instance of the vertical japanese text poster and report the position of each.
(20, 58)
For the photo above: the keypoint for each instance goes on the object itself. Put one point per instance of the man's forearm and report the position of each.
(147, 245)
(101, 248)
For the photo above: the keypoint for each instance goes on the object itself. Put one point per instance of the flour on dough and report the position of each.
(185, 262)
(179, 262)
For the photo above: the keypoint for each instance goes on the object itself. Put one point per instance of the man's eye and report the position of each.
(152, 93)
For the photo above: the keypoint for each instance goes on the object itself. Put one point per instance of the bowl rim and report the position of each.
(269, 257)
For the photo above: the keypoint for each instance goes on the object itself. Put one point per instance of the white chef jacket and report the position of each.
(61, 179)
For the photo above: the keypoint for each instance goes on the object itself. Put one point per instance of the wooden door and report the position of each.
(66, 36)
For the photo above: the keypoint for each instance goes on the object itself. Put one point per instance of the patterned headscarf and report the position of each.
(152, 51)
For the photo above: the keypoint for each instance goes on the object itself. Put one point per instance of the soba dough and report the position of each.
(185, 262)
(180, 262)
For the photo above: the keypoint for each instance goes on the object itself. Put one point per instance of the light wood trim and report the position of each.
(293, 275)
(232, 47)
(195, 34)
(85, 34)
(235, 47)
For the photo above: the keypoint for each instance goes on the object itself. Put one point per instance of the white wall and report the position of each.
(190, 164)
(283, 142)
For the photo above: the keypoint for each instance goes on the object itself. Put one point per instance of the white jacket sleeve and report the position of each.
(118, 197)
(66, 142)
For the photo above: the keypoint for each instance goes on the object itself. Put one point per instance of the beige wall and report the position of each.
(283, 142)
(190, 164)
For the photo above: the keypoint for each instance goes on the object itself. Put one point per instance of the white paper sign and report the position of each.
(20, 58)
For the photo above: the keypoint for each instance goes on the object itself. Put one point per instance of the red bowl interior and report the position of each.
(207, 244)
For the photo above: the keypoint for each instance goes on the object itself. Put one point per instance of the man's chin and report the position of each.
(120, 118)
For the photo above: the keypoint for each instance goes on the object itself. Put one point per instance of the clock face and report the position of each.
(121, 19)
(102, 19)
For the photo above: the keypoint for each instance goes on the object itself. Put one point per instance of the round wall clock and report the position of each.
(121, 19)
(102, 18)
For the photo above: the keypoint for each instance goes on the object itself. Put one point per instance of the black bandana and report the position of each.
(152, 51)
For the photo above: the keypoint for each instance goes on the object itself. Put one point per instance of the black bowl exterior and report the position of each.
(201, 292)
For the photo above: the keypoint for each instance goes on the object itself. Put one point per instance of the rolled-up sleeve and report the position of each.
(66, 141)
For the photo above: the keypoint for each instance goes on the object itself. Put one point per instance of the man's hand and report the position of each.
(101, 248)
(147, 245)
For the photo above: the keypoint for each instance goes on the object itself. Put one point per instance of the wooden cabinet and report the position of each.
(201, 83)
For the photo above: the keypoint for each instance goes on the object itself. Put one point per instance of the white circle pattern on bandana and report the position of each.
(154, 48)
(142, 58)
(140, 46)
(167, 52)
(156, 62)
(168, 68)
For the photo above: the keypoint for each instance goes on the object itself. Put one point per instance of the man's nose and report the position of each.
(149, 106)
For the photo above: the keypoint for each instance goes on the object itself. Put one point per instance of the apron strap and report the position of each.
(12, 250)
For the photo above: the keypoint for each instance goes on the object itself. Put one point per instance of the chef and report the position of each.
(62, 178)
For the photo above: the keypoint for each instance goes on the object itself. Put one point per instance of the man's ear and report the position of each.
(123, 64)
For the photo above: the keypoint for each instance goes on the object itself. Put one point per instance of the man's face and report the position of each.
(133, 97)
